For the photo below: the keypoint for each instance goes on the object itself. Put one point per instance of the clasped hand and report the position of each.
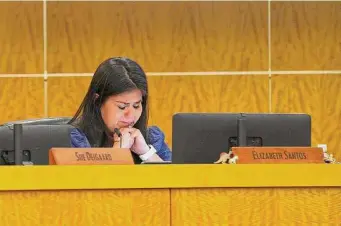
(133, 139)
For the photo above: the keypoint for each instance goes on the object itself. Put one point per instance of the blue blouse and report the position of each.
(155, 135)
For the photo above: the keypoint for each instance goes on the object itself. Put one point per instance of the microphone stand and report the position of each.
(18, 135)
(119, 134)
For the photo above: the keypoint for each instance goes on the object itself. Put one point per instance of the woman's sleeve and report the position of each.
(157, 139)
(78, 139)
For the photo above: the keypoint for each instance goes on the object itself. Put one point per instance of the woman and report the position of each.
(114, 113)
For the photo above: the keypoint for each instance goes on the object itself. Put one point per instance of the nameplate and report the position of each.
(273, 155)
(90, 156)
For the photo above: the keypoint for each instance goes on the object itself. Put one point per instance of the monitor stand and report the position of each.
(18, 152)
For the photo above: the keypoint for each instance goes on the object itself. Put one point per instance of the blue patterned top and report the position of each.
(155, 135)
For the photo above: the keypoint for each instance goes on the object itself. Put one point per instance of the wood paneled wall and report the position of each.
(21, 37)
(161, 36)
(179, 37)
(306, 35)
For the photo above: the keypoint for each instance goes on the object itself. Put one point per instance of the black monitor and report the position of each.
(201, 137)
(31, 142)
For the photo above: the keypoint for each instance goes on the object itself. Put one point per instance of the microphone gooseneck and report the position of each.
(119, 134)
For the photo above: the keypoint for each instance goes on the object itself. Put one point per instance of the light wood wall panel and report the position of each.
(306, 35)
(256, 206)
(65, 94)
(170, 95)
(21, 98)
(318, 95)
(21, 37)
(85, 208)
(161, 36)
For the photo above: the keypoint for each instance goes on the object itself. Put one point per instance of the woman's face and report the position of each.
(122, 110)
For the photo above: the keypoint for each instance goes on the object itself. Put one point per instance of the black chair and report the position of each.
(42, 121)
(38, 137)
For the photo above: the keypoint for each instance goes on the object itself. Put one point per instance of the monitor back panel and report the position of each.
(37, 140)
(200, 138)
(292, 130)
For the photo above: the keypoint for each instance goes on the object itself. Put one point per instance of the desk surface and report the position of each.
(168, 176)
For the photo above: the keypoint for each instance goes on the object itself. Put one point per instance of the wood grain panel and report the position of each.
(65, 94)
(106, 207)
(306, 35)
(173, 94)
(161, 36)
(256, 206)
(21, 98)
(21, 39)
(318, 95)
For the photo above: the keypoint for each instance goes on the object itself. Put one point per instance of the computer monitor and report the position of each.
(201, 137)
(35, 143)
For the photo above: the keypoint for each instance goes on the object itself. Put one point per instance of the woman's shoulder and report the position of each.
(157, 139)
(78, 138)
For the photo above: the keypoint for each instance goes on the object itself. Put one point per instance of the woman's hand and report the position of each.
(132, 138)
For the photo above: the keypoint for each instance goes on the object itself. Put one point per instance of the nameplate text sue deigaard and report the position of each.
(90, 156)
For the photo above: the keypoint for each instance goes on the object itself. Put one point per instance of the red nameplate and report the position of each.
(255, 155)
(90, 156)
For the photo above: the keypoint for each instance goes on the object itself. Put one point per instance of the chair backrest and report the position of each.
(39, 136)
(41, 121)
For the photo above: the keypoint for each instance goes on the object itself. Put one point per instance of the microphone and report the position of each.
(119, 134)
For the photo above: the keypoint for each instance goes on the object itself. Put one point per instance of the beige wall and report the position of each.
(208, 37)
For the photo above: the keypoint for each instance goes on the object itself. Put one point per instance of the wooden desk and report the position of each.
(170, 195)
